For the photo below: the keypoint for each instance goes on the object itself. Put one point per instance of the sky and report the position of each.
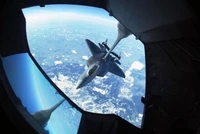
(78, 12)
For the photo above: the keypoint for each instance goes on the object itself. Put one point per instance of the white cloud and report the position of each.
(136, 65)
(63, 82)
(74, 51)
(100, 90)
(140, 115)
(129, 79)
(85, 57)
(58, 62)
(126, 93)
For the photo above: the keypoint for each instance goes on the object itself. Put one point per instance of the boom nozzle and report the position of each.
(123, 32)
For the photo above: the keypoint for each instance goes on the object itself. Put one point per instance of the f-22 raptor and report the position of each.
(98, 65)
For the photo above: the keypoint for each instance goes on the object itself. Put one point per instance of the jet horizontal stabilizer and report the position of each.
(115, 69)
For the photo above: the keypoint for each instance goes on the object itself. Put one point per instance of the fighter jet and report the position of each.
(97, 65)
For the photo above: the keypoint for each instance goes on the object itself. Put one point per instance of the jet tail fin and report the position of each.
(115, 69)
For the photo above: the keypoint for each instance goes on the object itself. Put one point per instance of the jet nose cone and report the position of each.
(84, 80)
(81, 84)
(78, 85)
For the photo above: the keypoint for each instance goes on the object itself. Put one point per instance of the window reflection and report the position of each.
(42, 105)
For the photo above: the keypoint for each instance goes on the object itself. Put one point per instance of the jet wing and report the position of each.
(94, 49)
(115, 69)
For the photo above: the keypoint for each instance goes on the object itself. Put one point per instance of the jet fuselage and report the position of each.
(98, 66)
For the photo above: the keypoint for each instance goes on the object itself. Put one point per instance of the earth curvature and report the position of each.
(56, 36)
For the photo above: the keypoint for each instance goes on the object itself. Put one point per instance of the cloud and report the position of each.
(100, 90)
(125, 93)
(74, 51)
(136, 65)
(58, 62)
(85, 57)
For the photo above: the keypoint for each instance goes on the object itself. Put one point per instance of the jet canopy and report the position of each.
(93, 69)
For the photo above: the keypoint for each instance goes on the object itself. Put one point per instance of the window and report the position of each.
(56, 36)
